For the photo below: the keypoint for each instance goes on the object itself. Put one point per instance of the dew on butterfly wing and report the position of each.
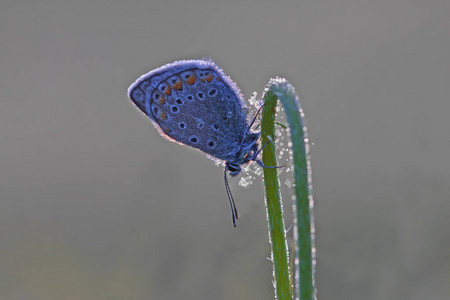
(217, 162)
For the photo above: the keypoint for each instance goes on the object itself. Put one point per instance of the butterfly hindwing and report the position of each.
(194, 103)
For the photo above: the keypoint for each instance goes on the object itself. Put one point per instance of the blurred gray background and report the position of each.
(94, 204)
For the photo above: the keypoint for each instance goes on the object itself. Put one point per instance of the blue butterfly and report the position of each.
(193, 102)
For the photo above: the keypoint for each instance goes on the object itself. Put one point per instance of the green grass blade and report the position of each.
(277, 232)
(303, 281)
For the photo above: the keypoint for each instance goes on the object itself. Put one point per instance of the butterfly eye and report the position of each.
(175, 109)
(211, 144)
(216, 126)
(194, 140)
(179, 101)
(190, 97)
(200, 125)
(182, 125)
(156, 96)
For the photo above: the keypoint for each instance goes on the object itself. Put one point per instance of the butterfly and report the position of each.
(193, 102)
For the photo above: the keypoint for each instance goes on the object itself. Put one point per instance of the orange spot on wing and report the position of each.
(167, 129)
(177, 86)
(162, 101)
(218, 78)
(209, 78)
(191, 80)
(162, 116)
(203, 80)
(167, 92)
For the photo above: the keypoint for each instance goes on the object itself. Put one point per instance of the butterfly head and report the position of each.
(247, 152)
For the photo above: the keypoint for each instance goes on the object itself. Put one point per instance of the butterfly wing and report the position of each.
(193, 102)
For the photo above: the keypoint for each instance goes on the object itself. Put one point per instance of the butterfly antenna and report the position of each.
(234, 213)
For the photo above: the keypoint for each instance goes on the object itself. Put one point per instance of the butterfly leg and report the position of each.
(264, 146)
(259, 162)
